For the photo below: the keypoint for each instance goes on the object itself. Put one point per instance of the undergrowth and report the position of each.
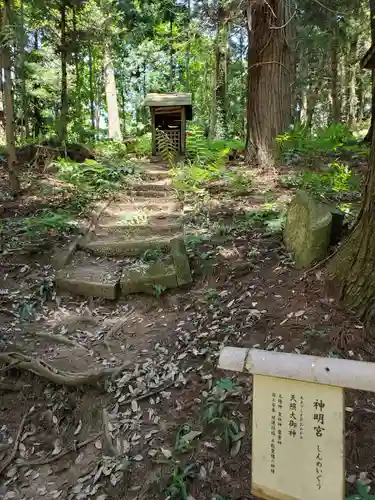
(294, 145)
(336, 183)
(205, 163)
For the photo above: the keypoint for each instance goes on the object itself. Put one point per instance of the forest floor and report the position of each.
(134, 434)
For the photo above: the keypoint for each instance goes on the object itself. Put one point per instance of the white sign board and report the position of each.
(298, 440)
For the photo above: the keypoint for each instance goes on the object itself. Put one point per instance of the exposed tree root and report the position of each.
(57, 338)
(111, 448)
(11, 457)
(74, 447)
(116, 328)
(55, 376)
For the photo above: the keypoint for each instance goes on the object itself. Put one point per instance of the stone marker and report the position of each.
(297, 440)
(308, 229)
(298, 420)
(181, 261)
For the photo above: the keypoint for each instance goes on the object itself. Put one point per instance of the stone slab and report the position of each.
(181, 261)
(307, 232)
(89, 280)
(144, 279)
(116, 246)
(139, 230)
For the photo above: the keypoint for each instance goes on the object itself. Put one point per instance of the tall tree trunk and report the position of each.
(123, 109)
(352, 80)
(311, 101)
(351, 272)
(91, 84)
(100, 85)
(270, 77)
(77, 68)
(14, 183)
(24, 100)
(64, 106)
(188, 48)
(114, 126)
(221, 76)
(171, 51)
(368, 137)
(335, 96)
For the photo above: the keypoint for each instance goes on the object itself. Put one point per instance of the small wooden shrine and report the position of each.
(169, 113)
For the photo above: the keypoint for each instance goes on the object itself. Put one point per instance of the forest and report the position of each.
(124, 273)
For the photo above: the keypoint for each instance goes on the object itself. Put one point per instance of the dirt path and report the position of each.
(145, 432)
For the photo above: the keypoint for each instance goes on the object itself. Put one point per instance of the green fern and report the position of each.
(166, 148)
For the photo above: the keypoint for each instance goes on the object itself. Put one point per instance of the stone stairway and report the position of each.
(136, 246)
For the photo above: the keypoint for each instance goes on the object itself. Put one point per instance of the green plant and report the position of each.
(211, 294)
(301, 141)
(94, 176)
(333, 183)
(184, 439)
(166, 148)
(215, 407)
(362, 493)
(143, 146)
(240, 183)
(44, 222)
(203, 163)
(177, 488)
(159, 290)
(152, 255)
(192, 241)
(215, 404)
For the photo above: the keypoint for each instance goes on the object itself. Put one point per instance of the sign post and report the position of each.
(298, 420)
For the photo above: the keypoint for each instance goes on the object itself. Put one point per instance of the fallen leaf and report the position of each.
(299, 314)
(235, 448)
(12, 472)
(138, 458)
(190, 436)
(134, 405)
(152, 452)
(78, 428)
(167, 453)
(57, 447)
(98, 444)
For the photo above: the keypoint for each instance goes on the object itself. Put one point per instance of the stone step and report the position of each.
(162, 185)
(151, 194)
(156, 174)
(90, 279)
(130, 231)
(114, 245)
(153, 278)
(141, 206)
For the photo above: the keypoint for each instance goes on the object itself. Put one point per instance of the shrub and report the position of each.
(335, 182)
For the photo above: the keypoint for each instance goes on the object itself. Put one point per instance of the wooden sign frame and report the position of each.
(305, 393)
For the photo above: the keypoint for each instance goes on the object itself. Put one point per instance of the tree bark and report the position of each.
(351, 272)
(335, 96)
(270, 77)
(64, 106)
(221, 76)
(368, 137)
(78, 99)
(311, 101)
(171, 51)
(188, 49)
(114, 126)
(91, 84)
(14, 182)
(352, 79)
(23, 41)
